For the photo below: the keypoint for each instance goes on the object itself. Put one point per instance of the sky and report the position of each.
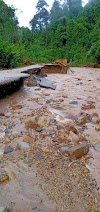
(26, 9)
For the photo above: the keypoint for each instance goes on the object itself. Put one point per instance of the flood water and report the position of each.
(25, 191)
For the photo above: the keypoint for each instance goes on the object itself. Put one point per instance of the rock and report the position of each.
(11, 125)
(2, 135)
(10, 173)
(65, 96)
(48, 101)
(8, 114)
(47, 94)
(73, 102)
(6, 131)
(95, 115)
(83, 119)
(32, 133)
(97, 147)
(38, 155)
(45, 83)
(3, 177)
(64, 149)
(43, 121)
(39, 129)
(77, 151)
(95, 120)
(1, 154)
(31, 82)
(32, 124)
(2, 114)
(22, 145)
(34, 209)
(97, 127)
(15, 105)
(74, 130)
(28, 139)
(8, 150)
(15, 134)
(37, 89)
(73, 137)
(87, 107)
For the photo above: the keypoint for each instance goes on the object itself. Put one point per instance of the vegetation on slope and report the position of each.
(68, 30)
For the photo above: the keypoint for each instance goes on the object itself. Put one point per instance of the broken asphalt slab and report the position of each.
(45, 83)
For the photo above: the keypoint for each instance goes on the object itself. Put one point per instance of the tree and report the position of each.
(41, 19)
(8, 23)
(74, 7)
(56, 11)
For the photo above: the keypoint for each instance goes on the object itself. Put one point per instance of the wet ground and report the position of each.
(34, 124)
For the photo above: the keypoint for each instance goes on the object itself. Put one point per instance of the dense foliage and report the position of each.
(68, 30)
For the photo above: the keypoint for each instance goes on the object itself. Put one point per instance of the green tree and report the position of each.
(8, 23)
(56, 11)
(41, 19)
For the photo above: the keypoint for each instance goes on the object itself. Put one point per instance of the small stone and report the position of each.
(6, 131)
(64, 149)
(8, 150)
(47, 94)
(34, 209)
(73, 102)
(7, 114)
(10, 173)
(2, 114)
(38, 155)
(87, 107)
(97, 147)
(37, 89)
(39, 129)
(73, 137)
(31, 124)
(22, 145)
(65, 96)
(48, 101)
(28, 139)
(11, 125)
(77, 151)
(1, 154)
(3, 177)
(2, 135)
(15, 134)
(97, 127)
(95, 120)
(43, 121)
(83, 119)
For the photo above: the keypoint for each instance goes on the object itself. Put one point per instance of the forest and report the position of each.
(68, 30)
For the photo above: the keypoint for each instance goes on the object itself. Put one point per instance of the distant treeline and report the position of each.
(68, 30)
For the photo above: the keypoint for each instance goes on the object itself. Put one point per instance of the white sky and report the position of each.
(26, 9)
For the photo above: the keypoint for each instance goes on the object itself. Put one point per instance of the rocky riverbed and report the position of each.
(50, 145)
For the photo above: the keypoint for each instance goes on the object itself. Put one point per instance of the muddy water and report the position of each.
(26, 192)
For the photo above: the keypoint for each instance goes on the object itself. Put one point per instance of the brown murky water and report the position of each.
(31, 189)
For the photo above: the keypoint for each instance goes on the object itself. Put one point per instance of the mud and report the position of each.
(41, 178)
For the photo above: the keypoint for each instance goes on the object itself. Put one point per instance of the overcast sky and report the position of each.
(26, 9)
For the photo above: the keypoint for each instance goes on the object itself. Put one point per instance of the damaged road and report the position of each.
(50, 145)
(12, 80)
